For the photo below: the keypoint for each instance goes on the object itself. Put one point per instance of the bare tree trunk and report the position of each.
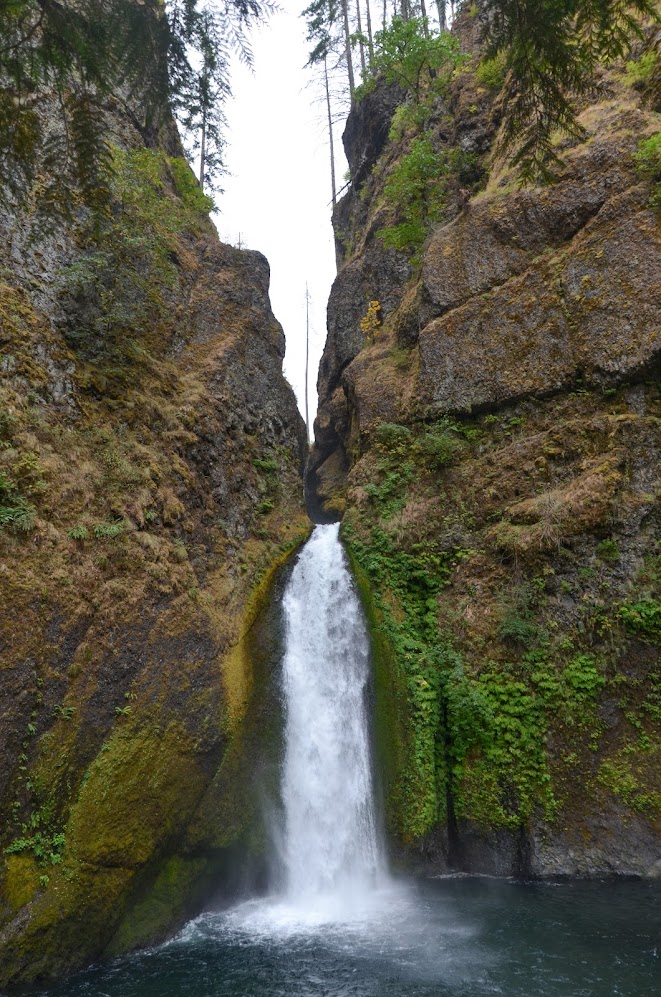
(442, 19)
(330, 133)
(347, 42)
(203, 147)
(385, 15)
(423, 11)
(361, 47)
(307, 358)
(369, 30)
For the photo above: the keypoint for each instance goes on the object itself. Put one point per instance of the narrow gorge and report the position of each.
(273, 713)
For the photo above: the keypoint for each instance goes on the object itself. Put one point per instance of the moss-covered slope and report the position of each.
(491, 436)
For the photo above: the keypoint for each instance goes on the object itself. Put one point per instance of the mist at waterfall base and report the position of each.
(337, 924)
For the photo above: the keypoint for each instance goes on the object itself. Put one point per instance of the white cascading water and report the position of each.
(330, 845)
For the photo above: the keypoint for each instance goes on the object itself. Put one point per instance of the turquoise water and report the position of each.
(451, 937)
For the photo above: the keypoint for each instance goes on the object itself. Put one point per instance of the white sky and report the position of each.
(277, 198)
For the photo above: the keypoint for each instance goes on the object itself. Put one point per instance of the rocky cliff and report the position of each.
(489, 431)
(150, 485)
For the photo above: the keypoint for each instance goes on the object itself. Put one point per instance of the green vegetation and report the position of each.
(421, 64)
(120, 287)
(78, 533)
(15, 511)
(188, 189)
(648, 163)
(416, 191)
(108, 531)
(608, 551)
(408, 54)
(39, 838)
(439, 444)
(543, 57)
(490, 73)
(643, 618)
(551, 54)
(414, 579)
(268, 465)
(619, 777)
(640, 72)
(490, 689)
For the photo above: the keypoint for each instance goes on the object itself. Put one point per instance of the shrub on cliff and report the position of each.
(648, 163)
(406, 53)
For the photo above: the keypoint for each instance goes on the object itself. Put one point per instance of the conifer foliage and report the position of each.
(552, 50)
(64, 64)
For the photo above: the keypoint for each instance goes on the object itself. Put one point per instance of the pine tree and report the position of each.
(322, 17)
(64, 63)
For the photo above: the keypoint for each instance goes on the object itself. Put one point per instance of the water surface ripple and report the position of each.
(453, 937)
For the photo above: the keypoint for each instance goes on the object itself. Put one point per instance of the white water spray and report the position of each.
(330, 847)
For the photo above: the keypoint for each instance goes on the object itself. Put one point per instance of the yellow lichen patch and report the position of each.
(136, 792)
(236, 666)
(21, 879)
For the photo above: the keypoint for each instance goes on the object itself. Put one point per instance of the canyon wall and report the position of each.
(151, 455)
(489, 433)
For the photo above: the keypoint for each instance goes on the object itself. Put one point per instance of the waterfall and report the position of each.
(330, 845)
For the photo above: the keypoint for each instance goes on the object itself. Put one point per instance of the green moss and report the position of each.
(119, 289)
(188, 188)
(648, 163)
(390, 698)
(237, 666)
(167, 899)
(618, 776)
(136, 793)
(404, 587)
(21, 880)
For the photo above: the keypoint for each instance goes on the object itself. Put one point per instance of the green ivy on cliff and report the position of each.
(468, 720)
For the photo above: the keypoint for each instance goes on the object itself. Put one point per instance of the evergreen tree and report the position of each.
(552, 49)
(63, 64)
(322, 16)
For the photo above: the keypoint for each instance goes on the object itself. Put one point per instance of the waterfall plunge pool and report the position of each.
(336, 924)
(451, 937)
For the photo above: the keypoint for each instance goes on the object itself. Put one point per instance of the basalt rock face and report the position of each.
(493, 450)
(150, 486)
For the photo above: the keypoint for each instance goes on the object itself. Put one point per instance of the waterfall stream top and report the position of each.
(330, 846)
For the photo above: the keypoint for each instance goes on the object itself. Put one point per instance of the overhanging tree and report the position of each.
(552, 49)
(62, 64)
